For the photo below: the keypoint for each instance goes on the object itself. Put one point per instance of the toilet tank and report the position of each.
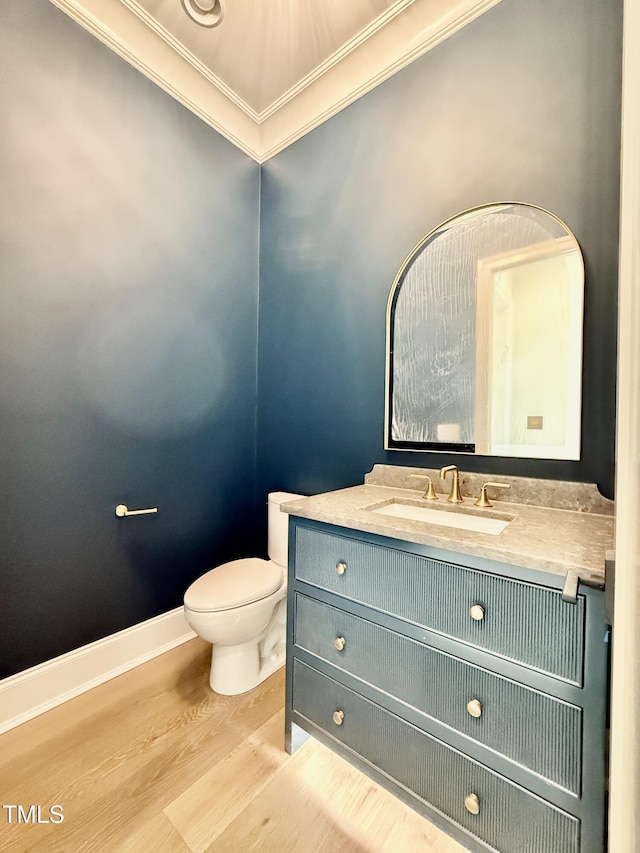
(279, 526)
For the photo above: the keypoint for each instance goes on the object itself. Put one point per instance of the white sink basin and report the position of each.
(445, 518)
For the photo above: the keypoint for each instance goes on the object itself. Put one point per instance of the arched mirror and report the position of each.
(484, 337)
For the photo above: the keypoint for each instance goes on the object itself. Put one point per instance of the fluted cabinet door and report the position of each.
(508, 717)
(505, 816)
(519, 621)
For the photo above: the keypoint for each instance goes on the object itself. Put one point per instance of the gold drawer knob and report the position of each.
(341, 567)
(472, 803)
(476, 611)
(338, 717)
(474, 707)
(340, 643)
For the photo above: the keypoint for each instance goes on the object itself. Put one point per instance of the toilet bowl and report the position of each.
(240, 607)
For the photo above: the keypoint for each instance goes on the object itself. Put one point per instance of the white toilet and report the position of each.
(240, 607)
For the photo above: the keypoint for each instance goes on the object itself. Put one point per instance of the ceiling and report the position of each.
(273, 69)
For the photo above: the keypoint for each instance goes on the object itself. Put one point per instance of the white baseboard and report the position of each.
(36, 690)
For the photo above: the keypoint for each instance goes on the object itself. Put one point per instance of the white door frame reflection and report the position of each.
(528, 351)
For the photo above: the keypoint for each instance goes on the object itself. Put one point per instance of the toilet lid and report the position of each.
(234, 584)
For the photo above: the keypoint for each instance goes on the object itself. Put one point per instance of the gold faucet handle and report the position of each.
(483, 500)
(429, 494)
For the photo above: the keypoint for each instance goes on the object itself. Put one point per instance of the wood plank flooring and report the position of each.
(155, 762)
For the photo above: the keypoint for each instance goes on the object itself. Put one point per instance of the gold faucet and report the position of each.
(483, 500)
(429, 494)
(454, 497)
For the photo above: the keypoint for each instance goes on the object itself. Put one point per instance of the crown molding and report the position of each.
(351, 46)
(421, 26)
(406, 31)
(126, 34)
(166, 36)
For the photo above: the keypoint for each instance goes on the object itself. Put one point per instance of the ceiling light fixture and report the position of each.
(206, 13)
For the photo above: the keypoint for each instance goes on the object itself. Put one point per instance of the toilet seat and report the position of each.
(234, 584)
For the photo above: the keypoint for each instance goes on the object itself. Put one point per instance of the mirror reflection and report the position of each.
(484, 337)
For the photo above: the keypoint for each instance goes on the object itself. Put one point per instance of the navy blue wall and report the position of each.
(129, 261)
(523, 104)
(129, 269)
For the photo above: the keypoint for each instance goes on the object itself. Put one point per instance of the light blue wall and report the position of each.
(521, 105)
(128, 258)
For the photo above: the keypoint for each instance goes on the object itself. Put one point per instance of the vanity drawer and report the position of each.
(519, 621)
(531, 728)
(509, 818)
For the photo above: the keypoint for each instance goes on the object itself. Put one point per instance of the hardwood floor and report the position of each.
(155, 762)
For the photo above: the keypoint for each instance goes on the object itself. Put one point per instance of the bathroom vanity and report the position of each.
(465, 671)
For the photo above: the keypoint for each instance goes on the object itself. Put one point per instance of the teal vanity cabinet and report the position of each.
(469, 688)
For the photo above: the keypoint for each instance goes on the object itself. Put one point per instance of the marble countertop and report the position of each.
(538, 537)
